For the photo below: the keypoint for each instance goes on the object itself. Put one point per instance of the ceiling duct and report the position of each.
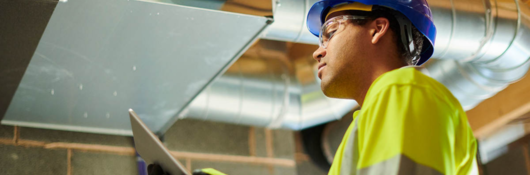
(481, 47)
(290, 22)
(275, 91)
(98, 58)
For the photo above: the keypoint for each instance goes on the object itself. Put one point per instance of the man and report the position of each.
(408, 122)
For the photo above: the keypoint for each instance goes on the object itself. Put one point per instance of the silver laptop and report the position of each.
(151, 149)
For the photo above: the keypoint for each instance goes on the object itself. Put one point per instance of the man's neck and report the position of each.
(376, 71)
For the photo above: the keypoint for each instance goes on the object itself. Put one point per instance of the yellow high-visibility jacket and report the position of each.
(409, 124)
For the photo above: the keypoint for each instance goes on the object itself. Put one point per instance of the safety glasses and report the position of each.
(334, 25)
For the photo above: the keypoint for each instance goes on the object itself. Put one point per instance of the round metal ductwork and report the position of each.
(290, 22)
(274, 91)
(481, 47)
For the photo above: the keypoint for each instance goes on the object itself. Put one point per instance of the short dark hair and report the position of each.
(411, 58)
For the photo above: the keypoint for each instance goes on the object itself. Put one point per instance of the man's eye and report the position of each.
(330, 32)
(332, 28)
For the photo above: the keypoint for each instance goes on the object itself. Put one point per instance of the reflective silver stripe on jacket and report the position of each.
(398, 165)
(351, 154)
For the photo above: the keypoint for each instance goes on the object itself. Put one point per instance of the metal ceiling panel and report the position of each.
(98, 58)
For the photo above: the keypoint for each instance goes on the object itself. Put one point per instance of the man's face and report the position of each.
(343, 61)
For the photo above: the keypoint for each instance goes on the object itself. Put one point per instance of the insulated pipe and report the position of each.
(266, 92)
(484, 45)
(290, 22)
(481, 47)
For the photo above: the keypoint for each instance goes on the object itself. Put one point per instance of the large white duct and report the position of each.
(481, 47)
(72, 84)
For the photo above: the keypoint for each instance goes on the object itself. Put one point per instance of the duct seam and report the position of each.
(453, 28)
(274, 95)
(488, 34)
(486, 63)
(284, 108)
(297, 39)
(241, 93)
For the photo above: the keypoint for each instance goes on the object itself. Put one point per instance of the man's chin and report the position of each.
(328, 92)
(332, 92)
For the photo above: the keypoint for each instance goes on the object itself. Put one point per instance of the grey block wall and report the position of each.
(89, 163)
(308, 168)
(208, 137)
(32, 146)
(23, 160)
(6, 131)
(21, 146)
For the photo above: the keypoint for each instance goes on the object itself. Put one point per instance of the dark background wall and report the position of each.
(22, 24)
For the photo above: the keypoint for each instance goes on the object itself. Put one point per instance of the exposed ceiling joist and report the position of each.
(499, 110)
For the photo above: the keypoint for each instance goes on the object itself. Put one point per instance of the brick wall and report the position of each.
(233, 149)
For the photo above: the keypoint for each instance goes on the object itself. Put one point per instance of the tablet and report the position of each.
(151, 149)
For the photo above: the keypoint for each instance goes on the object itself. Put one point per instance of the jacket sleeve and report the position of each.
(408, 129)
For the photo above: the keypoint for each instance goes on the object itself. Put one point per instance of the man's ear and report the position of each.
(379, 27)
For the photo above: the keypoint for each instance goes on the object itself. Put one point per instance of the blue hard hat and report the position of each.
(417, 11)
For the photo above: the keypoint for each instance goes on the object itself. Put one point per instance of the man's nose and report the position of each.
(319, 53)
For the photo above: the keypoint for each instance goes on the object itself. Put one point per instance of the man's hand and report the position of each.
(207, 171)
(155, 169)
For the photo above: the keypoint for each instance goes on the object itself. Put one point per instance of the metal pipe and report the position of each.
(289, 22)
(267, 95)
(481, 59)
(481, 47)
